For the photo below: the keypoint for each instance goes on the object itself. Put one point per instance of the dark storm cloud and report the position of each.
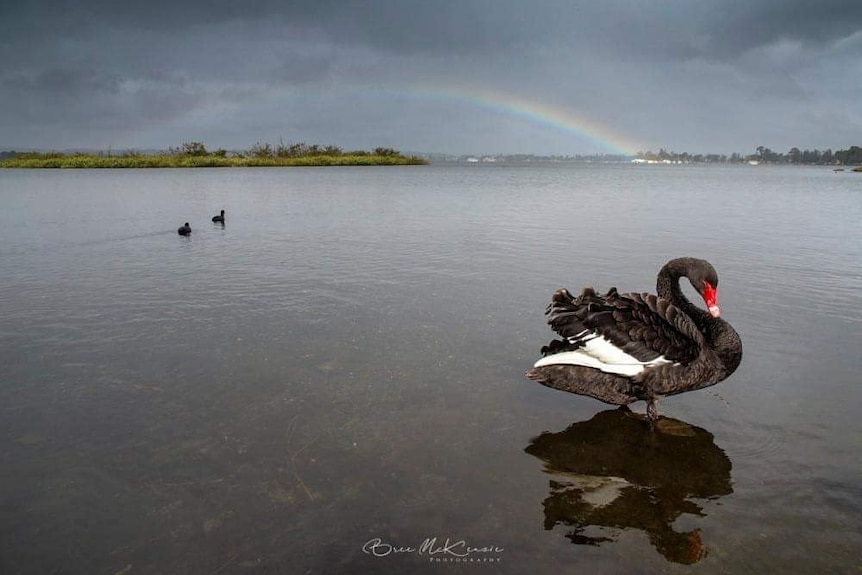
(386, 24)
(729, 69)
(757, 23)
(725, 27)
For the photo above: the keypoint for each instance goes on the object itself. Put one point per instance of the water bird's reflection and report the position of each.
(613, 472)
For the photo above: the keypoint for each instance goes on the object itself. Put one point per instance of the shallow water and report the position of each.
(343, 362)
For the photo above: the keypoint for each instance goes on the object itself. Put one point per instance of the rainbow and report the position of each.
(554, 117)
(560, 119)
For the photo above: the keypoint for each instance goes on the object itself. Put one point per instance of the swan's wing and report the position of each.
(624, 328)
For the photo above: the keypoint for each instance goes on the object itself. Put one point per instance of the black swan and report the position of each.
(621, 348)
(219, 219)
(184, 229)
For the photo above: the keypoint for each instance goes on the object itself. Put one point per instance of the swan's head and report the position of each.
(704, 279)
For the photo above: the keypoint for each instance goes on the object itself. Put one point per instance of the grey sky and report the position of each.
(720, 76)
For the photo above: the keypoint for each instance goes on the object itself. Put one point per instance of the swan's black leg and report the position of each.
(652, 411)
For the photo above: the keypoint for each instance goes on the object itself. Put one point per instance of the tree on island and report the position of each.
(190, 149)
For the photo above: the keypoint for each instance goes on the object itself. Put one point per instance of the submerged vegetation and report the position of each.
(195, 155)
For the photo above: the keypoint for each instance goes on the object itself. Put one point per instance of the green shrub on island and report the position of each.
(196, 155)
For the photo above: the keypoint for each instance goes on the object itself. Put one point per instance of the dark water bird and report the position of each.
(185, 229)
(621, 348)
(219, 219)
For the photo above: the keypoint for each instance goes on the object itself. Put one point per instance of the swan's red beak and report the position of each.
(710, 297)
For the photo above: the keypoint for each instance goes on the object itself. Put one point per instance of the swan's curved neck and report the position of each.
(667, 287)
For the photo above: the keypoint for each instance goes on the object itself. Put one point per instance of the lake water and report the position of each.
(342, 363)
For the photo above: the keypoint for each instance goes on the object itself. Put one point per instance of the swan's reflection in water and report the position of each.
(613, 472)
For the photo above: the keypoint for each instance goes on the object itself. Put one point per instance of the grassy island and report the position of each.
(195, 155)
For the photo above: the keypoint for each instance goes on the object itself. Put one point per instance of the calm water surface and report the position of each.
(343, 362)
